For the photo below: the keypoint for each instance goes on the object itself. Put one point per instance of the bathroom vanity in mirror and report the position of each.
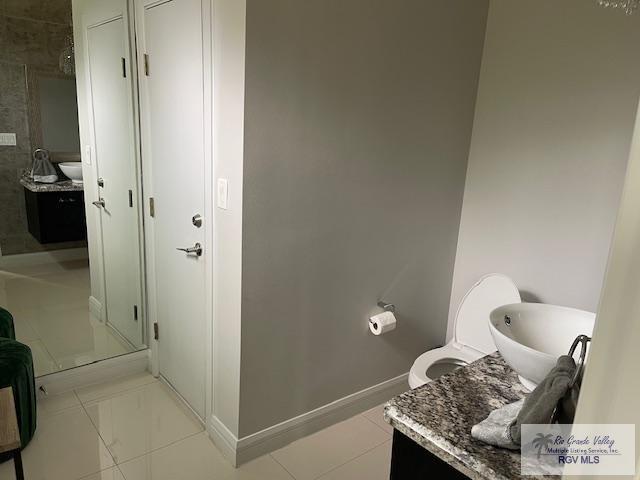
(55, 211)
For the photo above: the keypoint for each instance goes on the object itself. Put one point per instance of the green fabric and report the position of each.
(16, 370)
(7, 329)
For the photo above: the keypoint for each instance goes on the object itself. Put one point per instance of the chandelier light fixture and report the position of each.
(629, 6)
(66, 61)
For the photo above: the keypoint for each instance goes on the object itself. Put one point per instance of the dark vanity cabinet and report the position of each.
(411, 461)
(56, 216)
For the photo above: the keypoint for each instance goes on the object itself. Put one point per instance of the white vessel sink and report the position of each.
(531, 336)
(73, 170)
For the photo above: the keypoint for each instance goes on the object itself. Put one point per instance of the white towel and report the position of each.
(496, 428)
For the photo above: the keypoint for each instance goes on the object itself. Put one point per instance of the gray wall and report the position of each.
(357, 127)
(556, 104)
(32, 33)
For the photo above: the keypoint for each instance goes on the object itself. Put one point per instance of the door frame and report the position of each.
(147, 187)
(609, 378)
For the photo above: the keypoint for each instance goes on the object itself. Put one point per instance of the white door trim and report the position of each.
(147, 189)
(209, 214)
(611, 386)
(140, 6)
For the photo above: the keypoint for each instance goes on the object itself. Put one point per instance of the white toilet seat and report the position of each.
(471, 339)
(418, 374)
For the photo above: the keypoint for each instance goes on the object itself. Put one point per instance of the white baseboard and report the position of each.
(95, 308)
(242, 450)
(39, 258)
(224, 439)
(99, 372)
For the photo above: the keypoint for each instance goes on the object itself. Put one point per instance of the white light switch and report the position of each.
(8, 139)
(223, 193)
(87, 154)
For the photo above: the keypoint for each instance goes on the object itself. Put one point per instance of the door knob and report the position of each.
(197, 249)
(99, 203)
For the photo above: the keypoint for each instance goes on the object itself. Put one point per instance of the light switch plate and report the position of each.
(87, 154)
(8, 139)
(223, 193)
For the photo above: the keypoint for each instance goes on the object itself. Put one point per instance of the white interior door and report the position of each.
(115, 157)
(173, 145)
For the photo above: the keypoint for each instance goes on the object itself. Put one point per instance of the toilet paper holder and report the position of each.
(383, 322)
(387, 307)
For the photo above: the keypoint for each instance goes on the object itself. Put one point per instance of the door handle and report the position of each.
(99, 203)
(197, 249)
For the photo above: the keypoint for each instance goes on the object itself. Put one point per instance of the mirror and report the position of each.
(53, 113)
(71, 236)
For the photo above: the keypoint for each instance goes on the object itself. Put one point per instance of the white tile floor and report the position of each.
(50, 306)
(135, 429)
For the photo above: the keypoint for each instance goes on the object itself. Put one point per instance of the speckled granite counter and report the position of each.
(61, 186)
(439, 416)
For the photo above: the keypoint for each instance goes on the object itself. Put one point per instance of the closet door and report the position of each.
(115, 158)
(172, 115)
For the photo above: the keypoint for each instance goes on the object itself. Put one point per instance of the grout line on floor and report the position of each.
(137, 456)
(55, 360)
(98, 432)
(160, 448)
(388, 440)
(51, 357)
(113, 394)
(28, 323)
(75, 394)
(117, 467)
(47, 416)
(283, 467)
(84, 477)
(373, 421)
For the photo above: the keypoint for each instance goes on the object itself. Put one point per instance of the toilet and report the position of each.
(471, 338)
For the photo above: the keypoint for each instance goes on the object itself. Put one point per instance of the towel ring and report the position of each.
(583, 340)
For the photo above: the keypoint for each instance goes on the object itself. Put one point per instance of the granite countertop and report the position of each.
(61, 186)
(439, 416)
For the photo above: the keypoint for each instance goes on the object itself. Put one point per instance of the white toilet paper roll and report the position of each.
(382, 323)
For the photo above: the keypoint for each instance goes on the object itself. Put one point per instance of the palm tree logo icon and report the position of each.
(542, 441)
